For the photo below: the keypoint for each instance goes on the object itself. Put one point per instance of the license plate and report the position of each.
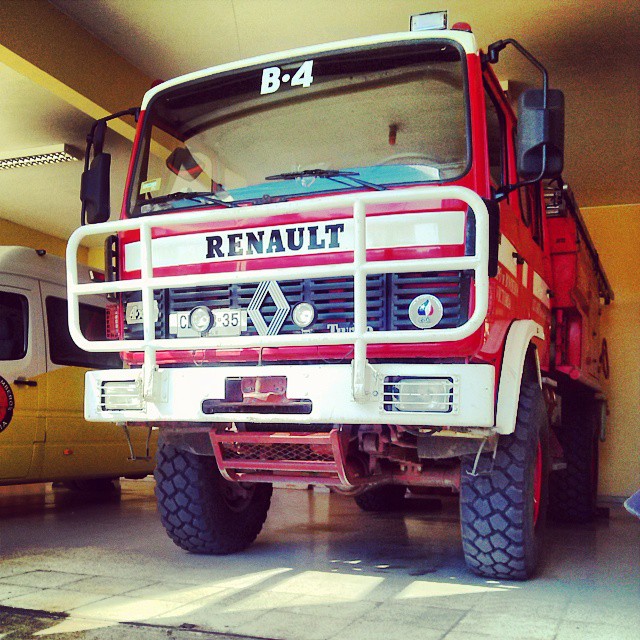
(226, 322)
(133, 313)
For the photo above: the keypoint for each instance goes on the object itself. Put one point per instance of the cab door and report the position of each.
(22, 369)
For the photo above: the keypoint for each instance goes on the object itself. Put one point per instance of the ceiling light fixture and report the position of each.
(42, 155)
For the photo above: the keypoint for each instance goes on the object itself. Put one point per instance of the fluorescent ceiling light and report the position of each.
(42, 155)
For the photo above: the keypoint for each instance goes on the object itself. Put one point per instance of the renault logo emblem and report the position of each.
(282, 308)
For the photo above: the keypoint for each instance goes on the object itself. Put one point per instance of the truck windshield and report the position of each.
(370, 117)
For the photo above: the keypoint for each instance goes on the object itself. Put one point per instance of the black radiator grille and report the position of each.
(388, 300)
(451, 288)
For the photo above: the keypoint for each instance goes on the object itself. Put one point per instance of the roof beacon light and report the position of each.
(462, 26)
(429, 21)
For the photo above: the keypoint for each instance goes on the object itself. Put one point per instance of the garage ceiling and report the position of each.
(64, 62)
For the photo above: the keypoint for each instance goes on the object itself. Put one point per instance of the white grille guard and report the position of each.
(359, 268)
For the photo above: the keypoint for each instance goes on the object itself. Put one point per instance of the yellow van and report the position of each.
(43, 434)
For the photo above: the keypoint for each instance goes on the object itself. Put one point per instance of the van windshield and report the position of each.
(370, 117)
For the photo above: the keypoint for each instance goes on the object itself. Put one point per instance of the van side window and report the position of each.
(495, 140)
(63, 350)
(14, 319)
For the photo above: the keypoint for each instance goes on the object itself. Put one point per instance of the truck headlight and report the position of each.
(200, 319)
(303, 314)
(120, 395)
(430, 395)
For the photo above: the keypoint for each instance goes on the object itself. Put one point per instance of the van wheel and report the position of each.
(503, 507)
(93, 485)
(200, 510)
(387, 497)
(573, 491)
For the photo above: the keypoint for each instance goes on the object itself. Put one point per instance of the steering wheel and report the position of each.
(408, 158)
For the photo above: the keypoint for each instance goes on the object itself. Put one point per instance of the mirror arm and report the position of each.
(491, 57)
(493, 54)
(96, 140)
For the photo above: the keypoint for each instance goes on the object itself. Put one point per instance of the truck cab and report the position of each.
(333, 266)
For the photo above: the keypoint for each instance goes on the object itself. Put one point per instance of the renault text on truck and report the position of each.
(338, 265)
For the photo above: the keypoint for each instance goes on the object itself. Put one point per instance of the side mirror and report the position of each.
(540, 140)
(95, 189)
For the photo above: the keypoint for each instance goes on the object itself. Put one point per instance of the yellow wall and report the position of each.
(95, 257)
(15, 234)
(616, 233)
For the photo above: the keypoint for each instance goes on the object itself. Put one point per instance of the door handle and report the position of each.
(21, 381)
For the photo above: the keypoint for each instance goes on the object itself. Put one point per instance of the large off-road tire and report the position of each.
(503, 508)
(387, 497)
(573, 491)
(200, 510)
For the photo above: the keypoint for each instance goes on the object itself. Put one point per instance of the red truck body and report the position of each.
(450, 310)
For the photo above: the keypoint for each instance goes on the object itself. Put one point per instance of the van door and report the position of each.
(74, 447)
(22, 369)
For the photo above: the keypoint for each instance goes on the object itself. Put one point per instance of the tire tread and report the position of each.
(493, 505)
(192, 510)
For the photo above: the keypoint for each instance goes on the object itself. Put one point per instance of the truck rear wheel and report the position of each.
(573, 491)
(503, 507)
(387, 497)
(200, 510)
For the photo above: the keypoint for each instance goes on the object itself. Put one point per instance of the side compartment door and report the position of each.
(22, 378)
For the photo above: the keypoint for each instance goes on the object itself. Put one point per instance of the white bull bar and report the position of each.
(358, 269)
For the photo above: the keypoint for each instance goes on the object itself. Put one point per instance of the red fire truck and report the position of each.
(339, 265)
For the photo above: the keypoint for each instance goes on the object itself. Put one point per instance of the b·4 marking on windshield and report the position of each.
(273, 78)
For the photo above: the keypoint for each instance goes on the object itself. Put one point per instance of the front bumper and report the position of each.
(326, 390)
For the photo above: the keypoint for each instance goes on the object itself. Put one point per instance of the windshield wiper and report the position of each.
(201, 197)
(330, 174)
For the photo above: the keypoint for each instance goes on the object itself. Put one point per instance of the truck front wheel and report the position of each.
(503, 502)
(200, 510)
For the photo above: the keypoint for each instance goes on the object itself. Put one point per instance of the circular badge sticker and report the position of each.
(6, 404)
(425, 311)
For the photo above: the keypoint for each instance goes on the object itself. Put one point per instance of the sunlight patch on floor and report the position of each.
(73, 625)
(430, 589)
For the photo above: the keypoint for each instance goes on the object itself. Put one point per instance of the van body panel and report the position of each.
(46, 437)
(22, 376)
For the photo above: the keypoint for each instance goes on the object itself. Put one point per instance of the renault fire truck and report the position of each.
(350, 265)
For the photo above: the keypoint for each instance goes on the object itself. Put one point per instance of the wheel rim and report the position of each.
(537, 484)
(237, 495)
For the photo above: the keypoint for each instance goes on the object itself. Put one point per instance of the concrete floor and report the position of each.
(320, 570)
